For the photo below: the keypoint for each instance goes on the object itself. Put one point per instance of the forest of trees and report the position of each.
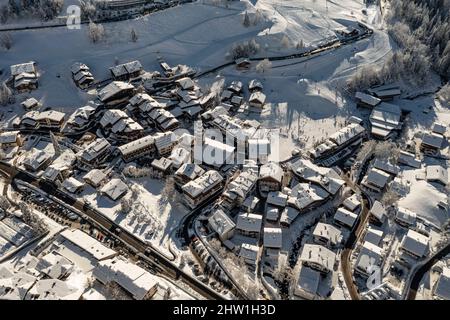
(43, 9)
(421, 29)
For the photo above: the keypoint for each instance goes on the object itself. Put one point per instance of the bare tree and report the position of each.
(6, 95)
(96, 32)
(246, 22)
(263, 66)
(6, 41)
(134, 35)
(114, 291)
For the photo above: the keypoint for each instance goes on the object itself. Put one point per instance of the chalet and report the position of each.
(226, 95)
(307, 285)
(352, 203)
(327, 235)
(138, 148)
(82, 75)
(415, 244)
(277, 199)
(221, 223)
(345, 218)
(164, 119)
(188, 172)
(180, 156)
(165, 142)
(288, 215)
(95, 153)
(384, 120)
(242, 63)
(272, 213)
(255, 85)
(307, 196)
(373, 235)
(257, 100)
(386, 166)
(270, 178)
(273, 238)
(30, 103)
(438, 174)
(249, 253)
(127, 71)
(431, 142)
(50, 119)
(409, 159)
(95, 177)
(367, 101)
(378, 213)
(10, 139)
(120, 125)
(162, 166)
(405, 217)
(185, 83)
(37, 160)
(73, 185)
(114, 189)
(250, 203)
(369, 256)
(116, 93)
(318, 257)
(442, 288)
(25, 76)
(376, 180)
(249, 224)
(199, 190)
(238, 189)
(80, 119)
(136, 281)
(385, 92)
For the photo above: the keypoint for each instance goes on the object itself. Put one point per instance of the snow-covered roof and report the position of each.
(95, 176)
(415, 243)
(369, 256)
(255, 84)
(36, 159)
(164, 139)
(126, 68)
(439, 128)
(136, 145)
(8, 137)
(112, 89)
(377, 177)
(114, 189)
(367, 99)
(190, 171)
(54, 289)
(405, 215)
(95, 248)
(95, 149)
(257, 97)
(235, 86)
(277, 198)
(30, 103)
(409, 159)
(386, 166)
(328, 232)
(442, 289)
(72, 185)
(162, 164)
(308, 280)
(112, 116)
(288, 215)
(373, 235)
(305, 194)
(249, 222)
(433, 139)
(186, 83)
(315, 254)
(384, 118)
(242, 185)
(273, 238)
(378, 210)
(250, 202)
(345, 217)
(271, 170)
(28, 67)
(347, 133)
(249, 252)
(352, 202)
(134, 279)
(437, 173)
(203, 183)
(54, 265)
(221, 223)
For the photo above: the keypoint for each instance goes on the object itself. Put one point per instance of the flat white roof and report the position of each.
(88, 244)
